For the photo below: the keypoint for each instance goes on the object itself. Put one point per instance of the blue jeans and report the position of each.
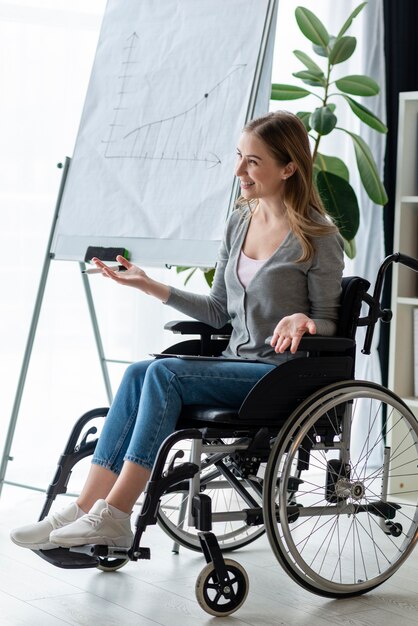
(149, 401)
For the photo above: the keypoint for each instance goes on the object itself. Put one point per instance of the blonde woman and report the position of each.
(278, 275)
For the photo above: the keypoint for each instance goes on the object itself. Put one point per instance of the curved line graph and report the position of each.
(183, 137)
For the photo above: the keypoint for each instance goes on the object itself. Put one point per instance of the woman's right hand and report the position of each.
(290, 330)
(134, 276)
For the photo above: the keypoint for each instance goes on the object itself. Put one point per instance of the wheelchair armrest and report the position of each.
(326, 344)
(193, 327)
(317, 343)
(307, 343)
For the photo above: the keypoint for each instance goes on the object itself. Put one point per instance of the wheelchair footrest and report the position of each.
(62, 557)
(101, 550)
(96, 551)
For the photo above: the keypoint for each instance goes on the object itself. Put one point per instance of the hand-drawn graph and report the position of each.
(184, 137)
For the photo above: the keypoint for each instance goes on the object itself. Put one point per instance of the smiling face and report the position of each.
(261, 176)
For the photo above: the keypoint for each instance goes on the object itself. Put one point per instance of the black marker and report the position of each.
(99, 270)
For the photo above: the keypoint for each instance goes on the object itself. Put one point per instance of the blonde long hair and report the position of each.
(287, 140)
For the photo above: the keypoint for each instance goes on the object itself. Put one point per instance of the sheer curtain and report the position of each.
(368, 58)
(46, 52)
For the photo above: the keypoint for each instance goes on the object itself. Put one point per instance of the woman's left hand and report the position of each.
(290, 330)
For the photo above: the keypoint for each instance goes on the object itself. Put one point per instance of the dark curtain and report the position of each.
(401, 54)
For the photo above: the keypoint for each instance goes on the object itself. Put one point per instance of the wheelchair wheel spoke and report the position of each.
(211, 586)
(358, 496)
(173, 514)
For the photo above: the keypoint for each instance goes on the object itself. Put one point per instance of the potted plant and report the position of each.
(330, 172)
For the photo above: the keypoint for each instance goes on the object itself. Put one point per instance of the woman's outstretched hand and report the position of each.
(290, 330)
(134, 276)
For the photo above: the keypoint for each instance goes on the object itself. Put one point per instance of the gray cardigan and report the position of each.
(281, 287)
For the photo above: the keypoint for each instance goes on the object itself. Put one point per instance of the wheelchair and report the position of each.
(340, 511)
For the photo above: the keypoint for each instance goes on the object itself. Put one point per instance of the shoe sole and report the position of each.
(73, 542)
(35, 546)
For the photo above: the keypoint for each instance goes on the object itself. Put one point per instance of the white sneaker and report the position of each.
(36, 536)
(97, 527)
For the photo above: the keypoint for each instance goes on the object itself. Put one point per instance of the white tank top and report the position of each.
(247, 267)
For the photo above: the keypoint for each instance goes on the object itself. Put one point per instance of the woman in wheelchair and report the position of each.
(278, 275)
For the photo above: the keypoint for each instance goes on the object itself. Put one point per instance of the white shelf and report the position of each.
(408, 301)
(411, 402)
(404, 280)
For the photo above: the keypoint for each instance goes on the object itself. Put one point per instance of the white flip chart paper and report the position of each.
(152, 169)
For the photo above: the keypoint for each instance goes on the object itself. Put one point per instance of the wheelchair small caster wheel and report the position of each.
(394, 529)
(225, 600)
(111, 564)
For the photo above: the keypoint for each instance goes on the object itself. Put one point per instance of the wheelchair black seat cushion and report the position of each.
(275, 396)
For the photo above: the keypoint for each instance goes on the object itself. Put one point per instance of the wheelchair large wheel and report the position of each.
(355, 516)
(231, 534)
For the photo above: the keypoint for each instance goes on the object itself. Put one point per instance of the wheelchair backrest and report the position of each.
(353, 290)
(283, 389)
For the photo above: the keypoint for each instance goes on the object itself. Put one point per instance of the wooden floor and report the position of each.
(161, 591)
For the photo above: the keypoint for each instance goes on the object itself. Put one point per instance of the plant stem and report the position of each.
(324, 103)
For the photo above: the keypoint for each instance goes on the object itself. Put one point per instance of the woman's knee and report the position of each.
(160, 368)
(136, 370)
(133, 379)
(157, 370)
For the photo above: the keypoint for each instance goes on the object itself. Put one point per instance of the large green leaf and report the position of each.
(307, 61)
(209, 274)
(331, 164)
(347, 23)
(342, 50)
(368, 170)
(316, 79)
(311, 27)
(323, 51)
(358, 85)
(366, 115)
(340, 202)
(281, 91)
(350, 248)
(323, 120)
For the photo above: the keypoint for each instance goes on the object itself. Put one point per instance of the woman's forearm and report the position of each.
(157, 289)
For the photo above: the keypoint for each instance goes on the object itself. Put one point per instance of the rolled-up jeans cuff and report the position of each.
(106, 465)
(145, 464)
